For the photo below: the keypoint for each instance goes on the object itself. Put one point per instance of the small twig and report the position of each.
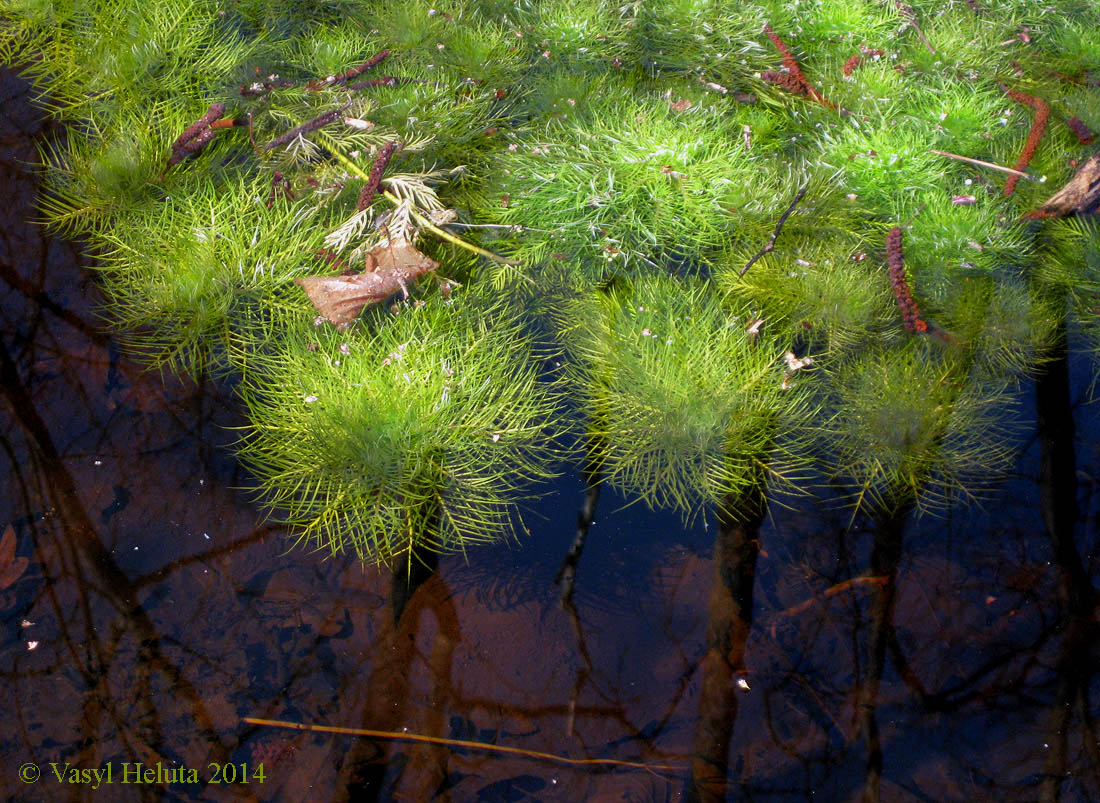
(451, 238)
(909, 222)
(778, 226)
(833, 591)
(494, 748)
(1002, 168)
(910, 16)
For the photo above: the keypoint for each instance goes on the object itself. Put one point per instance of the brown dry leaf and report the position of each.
(1081, 195)
(390, 267)
(11, 567)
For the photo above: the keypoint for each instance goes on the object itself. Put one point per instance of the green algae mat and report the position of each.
(714, 248)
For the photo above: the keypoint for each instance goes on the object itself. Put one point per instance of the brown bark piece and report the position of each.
(1080, 196)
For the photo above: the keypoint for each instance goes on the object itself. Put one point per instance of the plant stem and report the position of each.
(420, 219)
(1002, 168)
(496, 748)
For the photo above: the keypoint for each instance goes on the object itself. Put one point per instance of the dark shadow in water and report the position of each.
(381, 771)
(729, 621)
(1077, 663)
(83, 555)
(886, 553)
(410, 572)
(567, 574)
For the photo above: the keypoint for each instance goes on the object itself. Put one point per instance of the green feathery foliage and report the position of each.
(412, 431)
(910, 427)
(680, 195)
(689, 402)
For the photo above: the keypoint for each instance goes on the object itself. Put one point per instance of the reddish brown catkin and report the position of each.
(355, 72)
(857, 59)
(1078, 127)
(192, 147)
(305, 128)
(215, 111)
(786, 81)
(895, 266)
(1042, 116)
(385, 80)
(366, 195)
(347, 75)
(791, 63)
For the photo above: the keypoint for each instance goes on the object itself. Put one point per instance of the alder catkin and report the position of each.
(366, 195)
(317, 122)
(1042, 116)
(804, 87)
(215, 111)
(895, 266)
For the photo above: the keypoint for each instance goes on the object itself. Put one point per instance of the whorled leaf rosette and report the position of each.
(687, 401)
(411, 431)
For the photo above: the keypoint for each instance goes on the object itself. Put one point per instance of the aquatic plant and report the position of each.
(687, 399)
(406, 432)
(692, 200)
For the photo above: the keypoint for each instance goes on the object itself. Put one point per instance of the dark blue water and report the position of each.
(155, 611)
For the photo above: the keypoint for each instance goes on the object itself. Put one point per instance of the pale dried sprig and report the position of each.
(351, 229)
(352, 139)
(413, 190)
(399, 223)
(395, 225)
(302, 150)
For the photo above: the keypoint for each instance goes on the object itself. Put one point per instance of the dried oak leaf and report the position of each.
(390, 268)
(11, 567)
(1080, 196)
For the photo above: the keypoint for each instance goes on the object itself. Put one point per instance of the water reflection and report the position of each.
(899, 658)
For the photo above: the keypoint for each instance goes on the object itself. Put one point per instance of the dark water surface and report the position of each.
(147, 609)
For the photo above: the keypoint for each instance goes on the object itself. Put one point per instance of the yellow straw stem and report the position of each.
(495, 748)
(423, 221)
